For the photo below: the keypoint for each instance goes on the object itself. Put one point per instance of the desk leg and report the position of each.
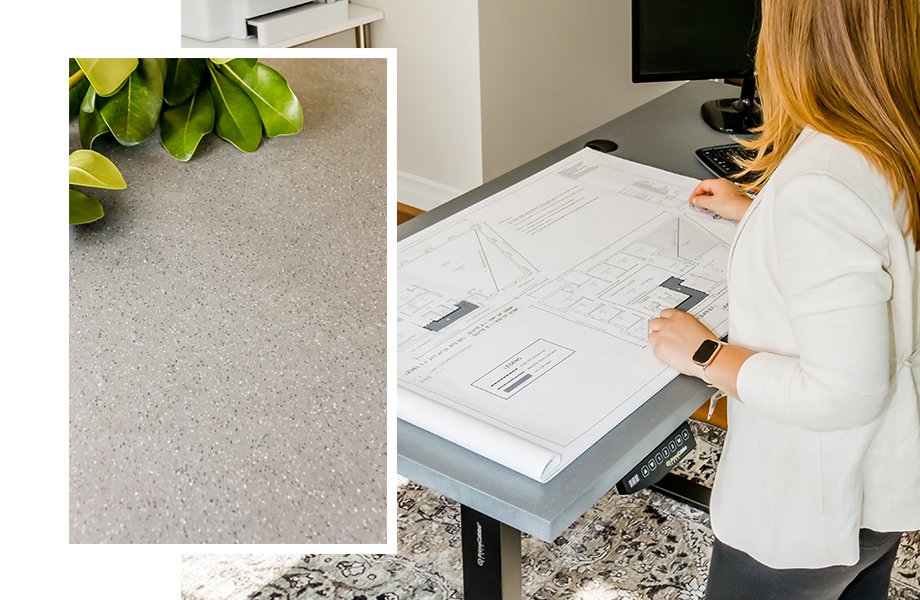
(491, 557)
(363, 36)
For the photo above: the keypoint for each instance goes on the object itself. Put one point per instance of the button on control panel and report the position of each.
(661, 460)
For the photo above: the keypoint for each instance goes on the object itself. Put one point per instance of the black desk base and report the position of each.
(491, 550)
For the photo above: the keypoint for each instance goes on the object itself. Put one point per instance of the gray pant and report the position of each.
(733, 575)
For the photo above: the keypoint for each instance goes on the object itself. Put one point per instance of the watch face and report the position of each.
(704, 352)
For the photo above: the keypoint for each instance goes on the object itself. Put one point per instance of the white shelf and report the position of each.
(358, 16)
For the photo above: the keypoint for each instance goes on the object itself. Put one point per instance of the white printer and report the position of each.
(270, 21)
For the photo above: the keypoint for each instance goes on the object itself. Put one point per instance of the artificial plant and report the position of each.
(240, 99)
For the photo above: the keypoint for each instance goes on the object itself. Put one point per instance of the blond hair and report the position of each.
(849, 69)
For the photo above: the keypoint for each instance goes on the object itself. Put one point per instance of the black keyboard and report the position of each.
(721, 160)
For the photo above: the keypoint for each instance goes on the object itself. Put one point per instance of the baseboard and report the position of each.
(422, 193)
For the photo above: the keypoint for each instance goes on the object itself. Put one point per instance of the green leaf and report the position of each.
(237, 119)
(277, 105)
(91, 126)
(83, 208)
(77, 92)
(91, 169)
(107, 74)
(161, 64)
(183, 75)
(183, 126)
(131, 114)
(89, 101)
(220, 61)
(244, 63)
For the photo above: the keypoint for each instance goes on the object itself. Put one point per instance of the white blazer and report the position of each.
(826, 438)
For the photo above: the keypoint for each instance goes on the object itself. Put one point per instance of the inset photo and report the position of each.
(228, 300)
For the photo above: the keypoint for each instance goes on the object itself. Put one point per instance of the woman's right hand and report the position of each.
(722, 197)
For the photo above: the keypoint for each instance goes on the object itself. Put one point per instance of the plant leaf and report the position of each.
(244, 64)
(77, 92)
(91, 126)
(89, 100)
(91, 169)
(159, 64)
(131, 114)
(183, 75)
(83, 208)
(277, 105)
(237, 119)
(183, 126)
(107, 74)
(220, 61)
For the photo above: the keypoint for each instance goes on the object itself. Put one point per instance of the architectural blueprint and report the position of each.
(523, 320)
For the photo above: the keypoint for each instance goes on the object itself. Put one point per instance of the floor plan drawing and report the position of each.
(473, 254)
(677, 265)
(527, 313)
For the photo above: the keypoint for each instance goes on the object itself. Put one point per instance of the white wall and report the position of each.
(483, 87)
(438, 112)
(551, 71)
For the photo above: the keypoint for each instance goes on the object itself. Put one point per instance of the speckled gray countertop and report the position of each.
(228, 332)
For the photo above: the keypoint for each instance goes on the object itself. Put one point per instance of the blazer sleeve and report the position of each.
(831, 253)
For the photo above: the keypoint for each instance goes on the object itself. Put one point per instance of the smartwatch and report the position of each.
(704, 356)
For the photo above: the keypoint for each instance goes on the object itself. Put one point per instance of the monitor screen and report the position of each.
(676, 40)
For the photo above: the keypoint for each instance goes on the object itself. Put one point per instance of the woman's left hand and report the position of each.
(675, 336)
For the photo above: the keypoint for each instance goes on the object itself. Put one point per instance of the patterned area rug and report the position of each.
(225, 576)
(636, 547)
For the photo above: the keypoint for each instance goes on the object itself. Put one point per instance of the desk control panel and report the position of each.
(661, 460)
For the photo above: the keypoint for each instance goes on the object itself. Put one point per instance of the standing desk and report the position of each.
(497, 504)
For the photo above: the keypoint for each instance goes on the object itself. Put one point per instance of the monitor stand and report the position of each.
(734, 115)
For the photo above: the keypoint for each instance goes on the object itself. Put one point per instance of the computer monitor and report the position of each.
(676, 40)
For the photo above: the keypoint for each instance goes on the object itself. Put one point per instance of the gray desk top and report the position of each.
(228, 332)
(663, 133)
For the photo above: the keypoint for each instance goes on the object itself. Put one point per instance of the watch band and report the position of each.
(703, 374)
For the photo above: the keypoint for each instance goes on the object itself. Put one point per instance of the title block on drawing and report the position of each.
(523, 368)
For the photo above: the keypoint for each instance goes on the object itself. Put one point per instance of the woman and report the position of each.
(821, 467)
